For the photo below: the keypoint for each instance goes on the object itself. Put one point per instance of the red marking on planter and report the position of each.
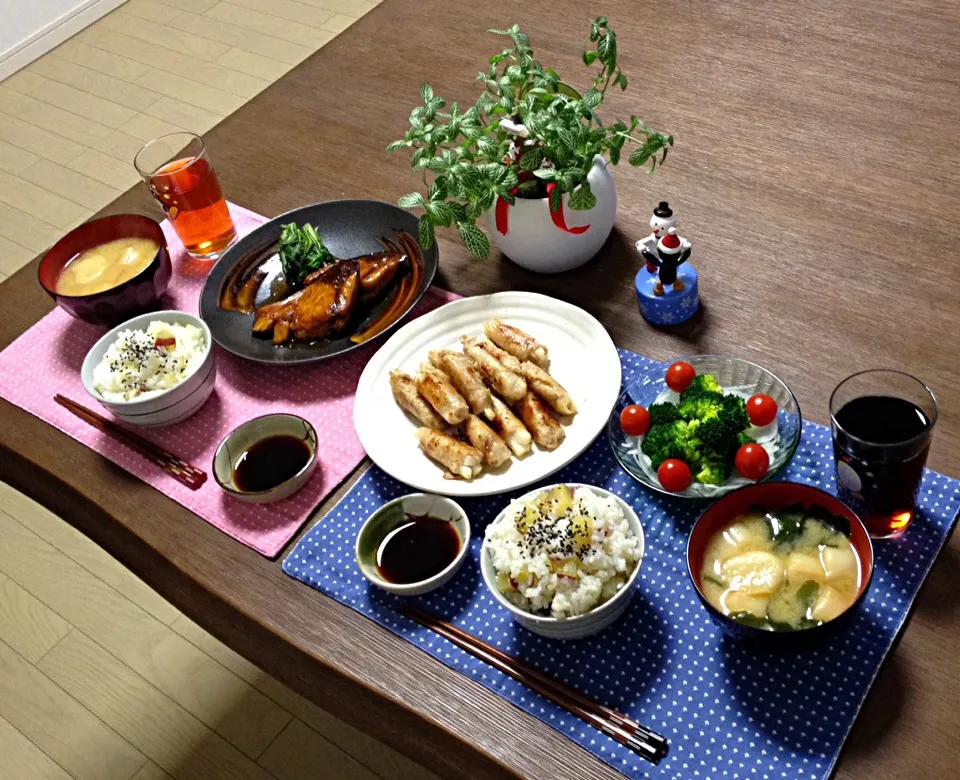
(501, 215)
(557, 216)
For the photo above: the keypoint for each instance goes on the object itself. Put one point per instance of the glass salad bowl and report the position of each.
(735, 376)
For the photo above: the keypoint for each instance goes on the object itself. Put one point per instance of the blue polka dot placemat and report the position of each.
(728, 711)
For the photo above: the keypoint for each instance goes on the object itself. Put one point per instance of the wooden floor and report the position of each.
(72, 121)
(100, 678)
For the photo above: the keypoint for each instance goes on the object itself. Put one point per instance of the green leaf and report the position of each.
(531, 160)
(589, 57)
(426, 92)
(427, 238)
(567, 138)
(459, 211)
(607, 48)
(475, 240)
(546, 174)
(438, 190)
(469, 176)
(440, 214)
(411, 201)
(582, 198)
(516, 74)
(621, 80)
(593, 98)
(639, 156)
(396, 145)
(556, 199)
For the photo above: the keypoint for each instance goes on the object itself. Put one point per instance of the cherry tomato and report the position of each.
(752, 461)
(674, 475)
(635, 420)
(679, 375)
(761, 409)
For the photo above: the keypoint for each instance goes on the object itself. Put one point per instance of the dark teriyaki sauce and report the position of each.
(270, 462)
(423, 546)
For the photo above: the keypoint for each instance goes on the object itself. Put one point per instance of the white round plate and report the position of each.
(582, 358)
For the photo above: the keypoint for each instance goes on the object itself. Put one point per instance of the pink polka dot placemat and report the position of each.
(46, 360)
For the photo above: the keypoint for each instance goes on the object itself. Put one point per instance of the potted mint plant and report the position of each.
(531, 156)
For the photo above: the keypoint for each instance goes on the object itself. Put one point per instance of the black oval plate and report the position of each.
(349, 228)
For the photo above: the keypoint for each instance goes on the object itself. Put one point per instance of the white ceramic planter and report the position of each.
(533, 240)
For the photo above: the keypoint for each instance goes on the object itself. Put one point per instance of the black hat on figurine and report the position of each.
(663, 210)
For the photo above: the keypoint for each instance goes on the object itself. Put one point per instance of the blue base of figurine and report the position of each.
(671, 307)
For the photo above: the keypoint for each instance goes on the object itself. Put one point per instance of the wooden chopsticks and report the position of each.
(639, 739)
(186, 473)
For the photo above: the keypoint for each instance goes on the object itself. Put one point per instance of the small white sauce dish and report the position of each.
(252, 432)
(165, 407)
(390, 517)
(579, 626)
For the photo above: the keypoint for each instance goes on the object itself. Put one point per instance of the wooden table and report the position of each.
(816, 171)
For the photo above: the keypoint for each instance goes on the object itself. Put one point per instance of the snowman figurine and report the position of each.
(662, 220)
(668, 289)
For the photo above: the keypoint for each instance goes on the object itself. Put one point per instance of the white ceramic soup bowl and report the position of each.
(168, 406)
(389, 517)
(580, 626)
(243, 437)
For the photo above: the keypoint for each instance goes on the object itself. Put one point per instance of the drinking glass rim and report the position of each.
(203, 148)
(912, 439)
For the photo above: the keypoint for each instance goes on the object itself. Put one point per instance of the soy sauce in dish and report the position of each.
(423, 546)
(270, 462)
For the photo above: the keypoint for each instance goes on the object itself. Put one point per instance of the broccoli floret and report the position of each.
(702, 384)
(735, 412)
(722, 422)
(714, 468)
(663, 414)
(677, 439)
(702, 399)
(706, 435)
(742, 439)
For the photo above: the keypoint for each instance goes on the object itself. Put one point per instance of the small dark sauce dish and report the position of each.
(777, 495)
(284, 448)
(138, 295)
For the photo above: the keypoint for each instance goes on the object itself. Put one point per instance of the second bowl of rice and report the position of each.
(564, 559)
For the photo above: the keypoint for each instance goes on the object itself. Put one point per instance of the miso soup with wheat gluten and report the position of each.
(782, 570)
(106, 266)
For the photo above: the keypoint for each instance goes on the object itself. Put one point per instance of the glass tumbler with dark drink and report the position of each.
(882, 423)
(178, 172)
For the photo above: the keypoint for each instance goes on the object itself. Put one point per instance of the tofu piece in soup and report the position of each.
(840, 564)
(741, 601)
(829, 604)
(745, 536)
(803, 566)
(753, 572)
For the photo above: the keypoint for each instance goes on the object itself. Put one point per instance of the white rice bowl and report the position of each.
(135, 368)
(559, 567)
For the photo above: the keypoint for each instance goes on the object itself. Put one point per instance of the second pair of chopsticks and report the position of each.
(638, 738)
(182, 471)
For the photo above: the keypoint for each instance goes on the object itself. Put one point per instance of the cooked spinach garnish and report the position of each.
(749, 619)
(807, 593)
(787, 524)
(301, 253)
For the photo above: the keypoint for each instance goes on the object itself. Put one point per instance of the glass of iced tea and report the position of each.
(882, 423)
(178, 171)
